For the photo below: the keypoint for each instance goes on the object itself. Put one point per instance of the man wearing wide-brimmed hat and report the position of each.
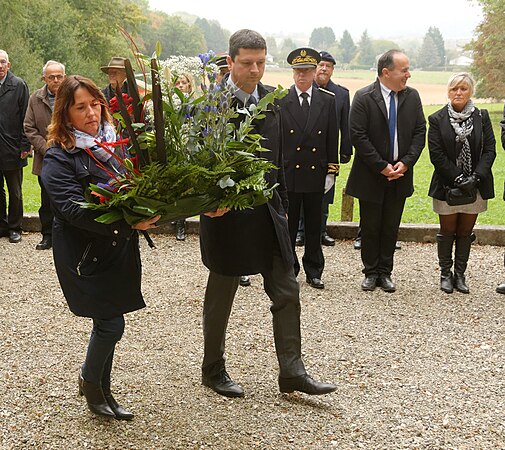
(116, 72)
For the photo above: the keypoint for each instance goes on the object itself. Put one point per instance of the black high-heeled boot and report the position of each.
(95, 399)
(120, 412)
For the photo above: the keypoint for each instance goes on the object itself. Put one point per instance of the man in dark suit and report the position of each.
(388, 132)
(14, 149)
(309, 128)
(235, 243)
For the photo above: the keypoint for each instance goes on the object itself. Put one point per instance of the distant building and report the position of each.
(461, 61)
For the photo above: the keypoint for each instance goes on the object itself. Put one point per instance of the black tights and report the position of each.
(458, 224)
(98, 364)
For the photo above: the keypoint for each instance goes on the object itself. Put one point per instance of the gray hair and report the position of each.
(5, 53)
(51, 63)
(461, 78)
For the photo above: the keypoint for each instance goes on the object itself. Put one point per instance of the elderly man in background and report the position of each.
(14, 148)
(116, 72)
(37, 119)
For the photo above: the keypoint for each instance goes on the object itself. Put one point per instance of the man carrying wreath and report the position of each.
(252, 241)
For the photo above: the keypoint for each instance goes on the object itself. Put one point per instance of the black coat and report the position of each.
(370, 137)
(444, 152)
(308, 145)
(109, 92)
(14, 97)
(243, 242)
(98, 265)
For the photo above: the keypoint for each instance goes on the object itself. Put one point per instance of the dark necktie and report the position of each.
(251, 101)
(305, 104)
(392, 126)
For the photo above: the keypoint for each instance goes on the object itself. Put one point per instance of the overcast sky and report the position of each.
(387, 19)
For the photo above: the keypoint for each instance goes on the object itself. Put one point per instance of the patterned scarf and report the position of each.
(106, 133)
(462, 123)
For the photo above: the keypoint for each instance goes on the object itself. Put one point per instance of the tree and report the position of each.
(381, 46)
(272, 47)
(348, 47)
(216, 37)
(438, 40)
(366, 55)
(175, 36)
(489, 57)
(322, 38)
(428, 54)
(287, 46)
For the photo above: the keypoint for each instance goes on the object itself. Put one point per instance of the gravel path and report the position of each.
(417, 369)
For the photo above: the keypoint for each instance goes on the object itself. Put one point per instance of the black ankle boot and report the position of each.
(97, 403)
(180, 230)
(461, 255)
(120, 412)
(444, 248)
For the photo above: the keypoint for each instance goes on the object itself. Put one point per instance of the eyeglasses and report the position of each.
(55, 77)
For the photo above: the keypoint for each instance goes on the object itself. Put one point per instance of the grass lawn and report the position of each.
(418, 208)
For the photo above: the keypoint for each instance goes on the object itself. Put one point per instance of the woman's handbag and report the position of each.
(456, 196)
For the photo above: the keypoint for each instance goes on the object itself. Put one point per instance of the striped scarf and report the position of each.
(462, 123)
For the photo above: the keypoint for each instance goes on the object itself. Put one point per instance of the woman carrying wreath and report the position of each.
(462, 150)
(98, 265)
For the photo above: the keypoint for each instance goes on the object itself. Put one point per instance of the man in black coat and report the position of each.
(309, 128)
(235, 243)
(14, 148)
(388, 131)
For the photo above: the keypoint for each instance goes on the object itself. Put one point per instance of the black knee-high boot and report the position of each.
(461, 255)
(120, 412)
(444, 247)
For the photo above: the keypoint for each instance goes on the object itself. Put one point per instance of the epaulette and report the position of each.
(327, 91)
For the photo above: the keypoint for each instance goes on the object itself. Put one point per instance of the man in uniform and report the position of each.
(310, 134)
(234, 243)
(37, 119)
(324, 71)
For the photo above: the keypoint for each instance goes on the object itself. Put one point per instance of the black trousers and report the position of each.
(313, 259)
(105, 334)
(11, 216)
(379, 231)
(325, 212)
(46, 215)
(282, 288)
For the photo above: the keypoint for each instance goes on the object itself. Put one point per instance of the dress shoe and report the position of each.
(120, 412)
(357, 244)
(327, 240)
(369, 283)
(244, 281)
(94, 398)
(45, 244)
(305, 383)
(315, 283)
(386, 283)
(398, 246)
(500, 288)
(14, 237)
(223, 384)
(300, 240)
